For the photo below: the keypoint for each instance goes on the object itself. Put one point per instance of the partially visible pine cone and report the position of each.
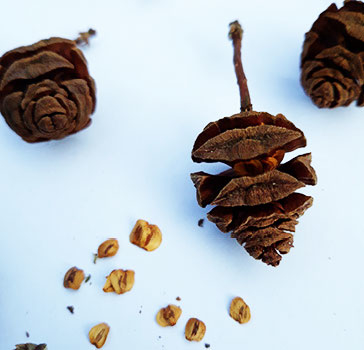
(30, 346)
(254, 199)
(46, 91)
(332, 59)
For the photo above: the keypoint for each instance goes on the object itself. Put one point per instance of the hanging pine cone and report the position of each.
(255, 198)
(46, 91)
(332, 59)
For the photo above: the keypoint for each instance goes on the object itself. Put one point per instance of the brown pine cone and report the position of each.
(254, 199)
(46, 91)
(30, 346)
(332, 59)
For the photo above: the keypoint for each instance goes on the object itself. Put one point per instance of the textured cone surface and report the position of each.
(246, 136)
(332, 59)
(255, 200)
(46, 91)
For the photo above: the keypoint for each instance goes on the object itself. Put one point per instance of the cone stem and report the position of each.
(236, 35)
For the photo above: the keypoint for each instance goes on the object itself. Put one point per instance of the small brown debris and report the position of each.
(108, 248)
(84, 37)
(146, 236)
(98, 334)
(73, 278)
(87, 278)
(71, 309)
(239, 310)
(168, 316)
(95, 258)
(200, 222)
(29, 346)
(119, 281)
(178, 299)
(195, 330)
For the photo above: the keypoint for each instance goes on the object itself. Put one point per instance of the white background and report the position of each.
(163, 70)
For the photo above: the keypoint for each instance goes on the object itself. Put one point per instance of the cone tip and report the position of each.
(235, 30)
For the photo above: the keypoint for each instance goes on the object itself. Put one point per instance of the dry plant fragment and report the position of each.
(195, 330)
(108, 248)
(239, 310)
(146, 236)
(255, 198)
(84, 37)
(168, 316)
(73, 278)
(88, 278)
(95, 258)
(332, 58)
(119, 281)
(98, 334)
(71, 309)
(46, 92)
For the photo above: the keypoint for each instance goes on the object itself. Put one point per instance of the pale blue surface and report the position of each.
(163, 71)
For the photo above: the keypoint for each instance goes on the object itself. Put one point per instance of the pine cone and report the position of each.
(30, 346)
(46, 91)
(254, 199)
(332, 71)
